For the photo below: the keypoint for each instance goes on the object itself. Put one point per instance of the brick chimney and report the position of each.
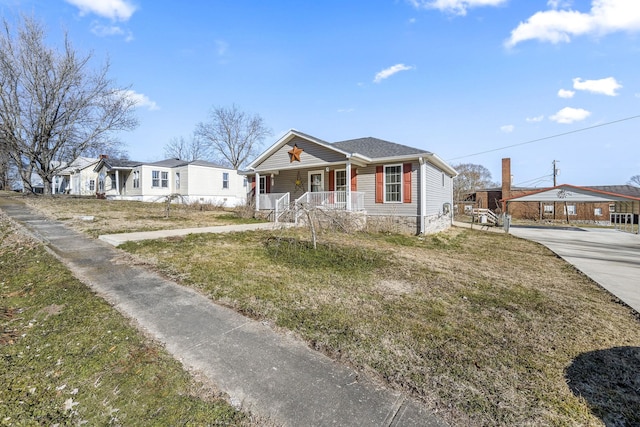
(506, 178)
(104, 156)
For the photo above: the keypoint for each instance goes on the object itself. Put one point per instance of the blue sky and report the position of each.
(455, 77)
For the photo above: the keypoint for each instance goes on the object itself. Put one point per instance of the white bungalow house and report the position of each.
(380, 179)
(195, 181)
(78, 178)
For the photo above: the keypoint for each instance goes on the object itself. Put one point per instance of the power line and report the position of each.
(547, 137)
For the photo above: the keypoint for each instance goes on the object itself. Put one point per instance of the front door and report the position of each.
(316, 181)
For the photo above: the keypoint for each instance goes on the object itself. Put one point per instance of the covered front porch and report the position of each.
(330, 188)
(280, 203)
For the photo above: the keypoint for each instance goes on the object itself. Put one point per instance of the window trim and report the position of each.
(136, 179)
(315, 172)
(225, 180)
(155, 179)
(164, 179)
(335, 180)
(385, 193)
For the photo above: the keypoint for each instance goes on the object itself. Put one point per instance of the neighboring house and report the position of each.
(381, 179)
(78, 178)
(195, 181)
(600, 204)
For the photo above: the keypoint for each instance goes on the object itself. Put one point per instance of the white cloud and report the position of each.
(507, 128)
(457, 7)
(141, 100)
(535, 119)
(120, 10)
(110, 30)
(564, 93)
(607, 86)
(569, 115)
(559, 25)
(346, 110)
(388, 72)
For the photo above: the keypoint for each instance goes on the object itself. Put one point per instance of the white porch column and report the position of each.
(118, 183)
(257, 191)
(423, 194)
(348, 173)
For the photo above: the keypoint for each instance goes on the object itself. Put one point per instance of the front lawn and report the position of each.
(483, 328)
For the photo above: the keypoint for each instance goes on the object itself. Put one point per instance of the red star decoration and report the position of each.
(294, 153)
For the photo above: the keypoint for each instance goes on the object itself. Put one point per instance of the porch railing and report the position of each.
(269, 201)
(333, 200)
(282, 206)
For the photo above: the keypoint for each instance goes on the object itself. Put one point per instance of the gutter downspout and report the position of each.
(423, 194)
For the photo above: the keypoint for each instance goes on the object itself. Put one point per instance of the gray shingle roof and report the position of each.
(625, 190)
(169, 163)
(120, 163)
(376, 148)
(209, 164)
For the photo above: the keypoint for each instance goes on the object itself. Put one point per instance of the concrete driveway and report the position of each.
(611, 258)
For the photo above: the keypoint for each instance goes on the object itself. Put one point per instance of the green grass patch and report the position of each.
(68, 358)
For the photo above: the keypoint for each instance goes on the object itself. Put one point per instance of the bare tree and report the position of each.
(53, 106)
(634, 180)
(471, 177)
(180, 148)
(232, 134)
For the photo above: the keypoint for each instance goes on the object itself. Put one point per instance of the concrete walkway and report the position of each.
(609, 257)
(118, 239)
(272, 375)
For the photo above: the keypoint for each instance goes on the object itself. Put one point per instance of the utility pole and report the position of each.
(555, 175)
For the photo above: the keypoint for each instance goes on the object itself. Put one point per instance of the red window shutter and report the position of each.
(253, 183)
(406, 182)
(379, 184)
(354, 180)
(332, 180)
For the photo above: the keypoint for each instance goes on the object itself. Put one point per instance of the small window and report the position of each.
(113, 181)
(136, 179)
(92, 185)
(393, 183)
(225, 179)
(548, 209)
(165, 179)
(570, 210)
(612, 207)
(245, 182)
(341, 180)
(155, 178)
(263, 185)
(597, 211)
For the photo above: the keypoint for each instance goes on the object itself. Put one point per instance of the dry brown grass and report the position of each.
(97, 217)
(484, 328)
